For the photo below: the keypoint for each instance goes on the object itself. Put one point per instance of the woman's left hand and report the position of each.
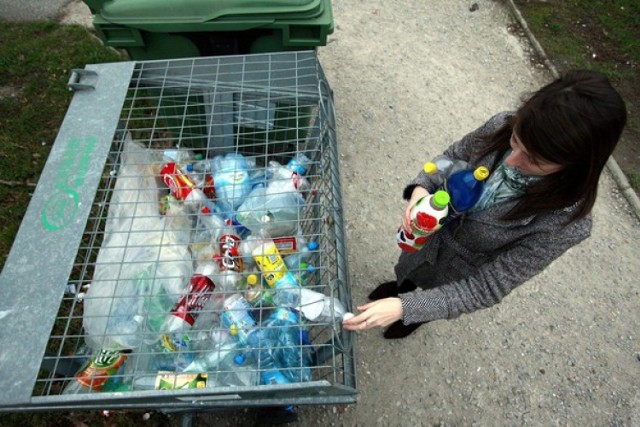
(376, 314)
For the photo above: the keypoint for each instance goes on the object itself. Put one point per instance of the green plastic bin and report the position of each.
(165, 29)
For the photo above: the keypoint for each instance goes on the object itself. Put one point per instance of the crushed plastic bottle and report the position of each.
(292, 350)
(231, 180)
(237, 317)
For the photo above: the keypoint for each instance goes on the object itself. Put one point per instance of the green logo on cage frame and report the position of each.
(62, 205)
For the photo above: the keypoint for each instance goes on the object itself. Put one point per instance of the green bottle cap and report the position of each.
(441, 198)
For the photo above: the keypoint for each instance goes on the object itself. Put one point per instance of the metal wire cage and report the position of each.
(110, 249)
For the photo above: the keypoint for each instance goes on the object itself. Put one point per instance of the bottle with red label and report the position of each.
(184, 313)
(182, 187)
(426, 218)
(202, 179)
(229, 241)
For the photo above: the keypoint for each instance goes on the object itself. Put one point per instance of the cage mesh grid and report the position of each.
(257, 106)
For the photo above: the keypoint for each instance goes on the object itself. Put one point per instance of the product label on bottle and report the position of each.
(410, 242)
(172, 343)
(172, 381)
(230, 259)
(179, 183)
(270, 263)
(231, 177)
(189, 305)
(237, 316)
(99, 369)
(208, 187)
(286, 245)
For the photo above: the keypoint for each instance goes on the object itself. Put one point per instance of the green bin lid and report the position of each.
(143, 12)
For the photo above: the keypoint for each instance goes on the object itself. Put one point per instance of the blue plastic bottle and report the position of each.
(465, 188)
(292, 349)
(237, 317)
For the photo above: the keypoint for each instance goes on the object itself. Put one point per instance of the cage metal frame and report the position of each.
(268, 106)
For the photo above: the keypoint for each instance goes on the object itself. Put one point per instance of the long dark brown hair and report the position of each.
(575, 121)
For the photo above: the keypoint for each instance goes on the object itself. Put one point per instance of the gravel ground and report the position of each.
(409, 78)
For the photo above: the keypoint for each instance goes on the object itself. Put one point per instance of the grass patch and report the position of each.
(34, 70)
(600, 35)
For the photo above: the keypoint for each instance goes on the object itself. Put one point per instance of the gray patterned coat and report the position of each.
(474, 262)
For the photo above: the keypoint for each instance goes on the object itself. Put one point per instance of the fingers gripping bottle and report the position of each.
(465, 188)
(426, 218)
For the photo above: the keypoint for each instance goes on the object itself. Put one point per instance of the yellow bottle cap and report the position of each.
(252, 279)
(481, 173)
(430, 168)
(233, 330)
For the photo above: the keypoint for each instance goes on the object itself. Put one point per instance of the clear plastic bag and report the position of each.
(144, 262)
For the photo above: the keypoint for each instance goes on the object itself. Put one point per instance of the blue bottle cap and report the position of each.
(239, 359)
(313, 246)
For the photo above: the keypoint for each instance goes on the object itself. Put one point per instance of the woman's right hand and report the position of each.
(417, 194)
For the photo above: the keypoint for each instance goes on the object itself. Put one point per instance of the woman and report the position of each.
(546, 160)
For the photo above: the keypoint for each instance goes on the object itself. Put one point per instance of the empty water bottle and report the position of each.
(275, 208)
(231, 180)
(292, 351)
(299, 163)
(237, 317)
(441, 167)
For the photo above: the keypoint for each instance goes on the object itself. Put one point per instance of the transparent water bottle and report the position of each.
(441, 167)
(237, 317)
(231, 180)
(292, 351)
(275, 208)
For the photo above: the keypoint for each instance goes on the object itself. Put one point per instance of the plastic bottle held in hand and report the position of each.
(98, 371)
(426, 218)
(231, 180)
(184, 313)
(465, 188)
(181, 186)
(441, 167)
